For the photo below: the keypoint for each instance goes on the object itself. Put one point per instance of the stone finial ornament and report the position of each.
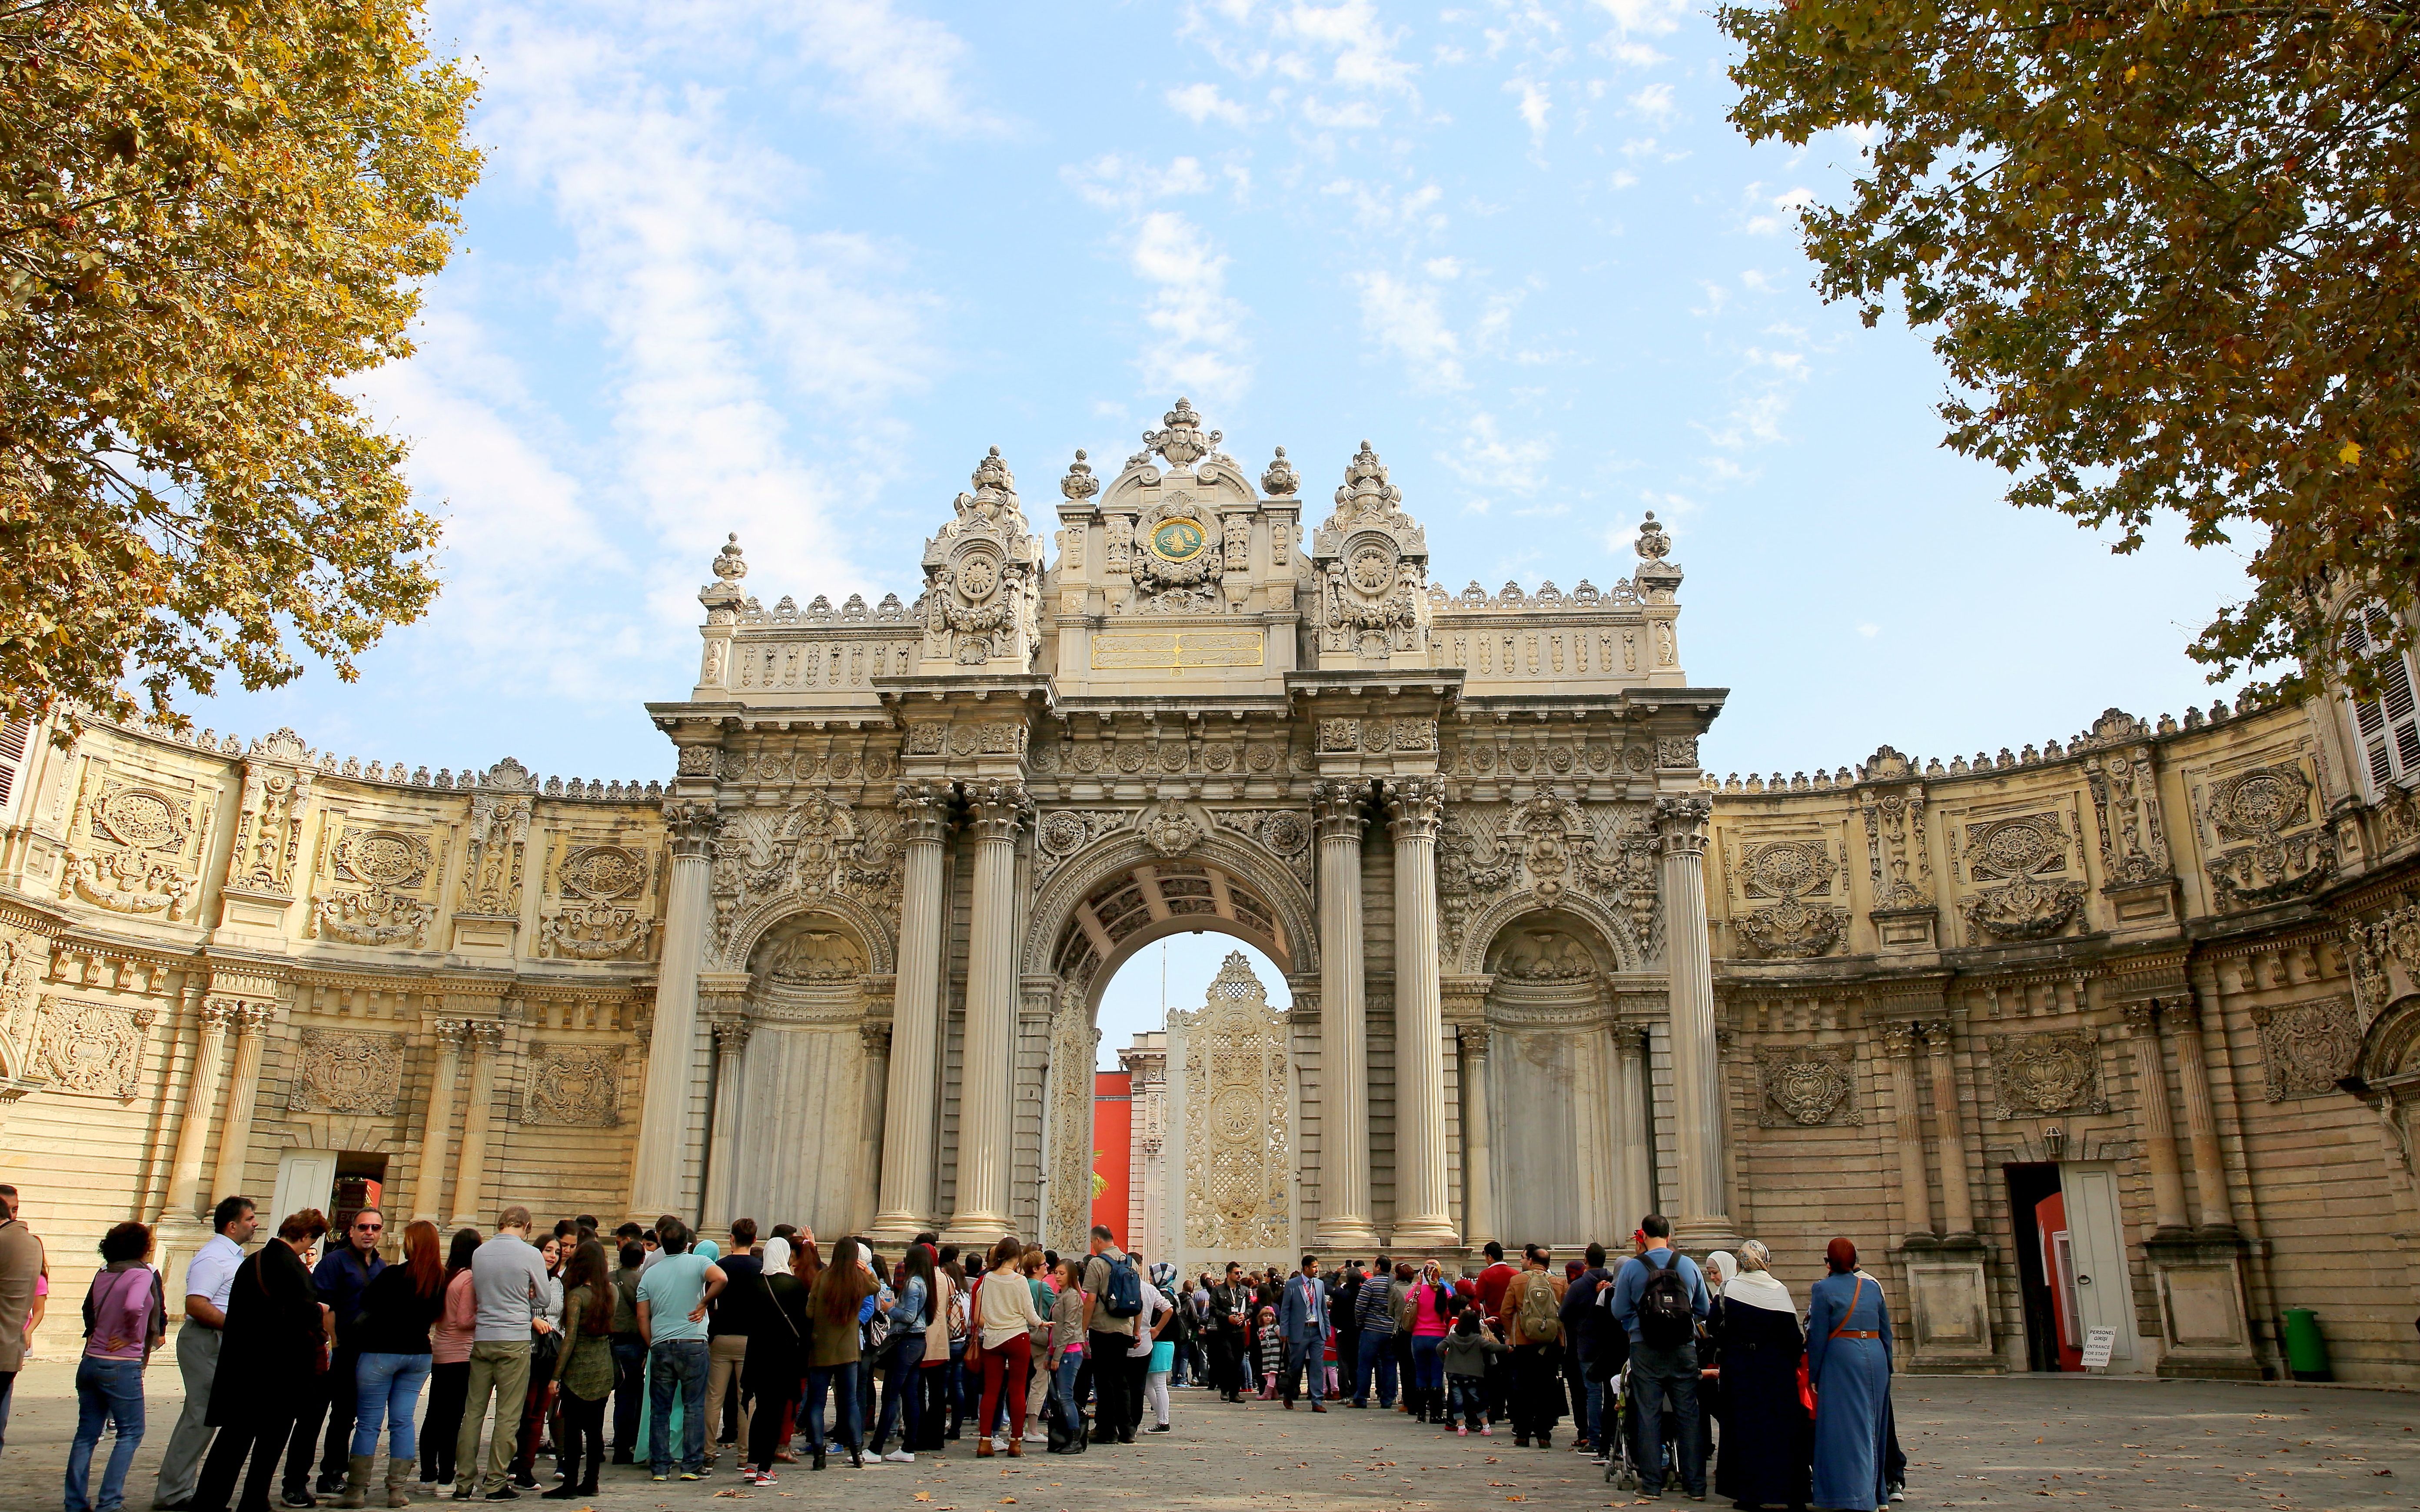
(1366, 490)
(730, 563)
(1653, 544)
(1280, 480)
(725, 594)
(995, 492)
(1183, 442)
(1079, 484)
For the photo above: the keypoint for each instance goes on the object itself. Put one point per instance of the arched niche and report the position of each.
(809, 1089)
(1553, 1075)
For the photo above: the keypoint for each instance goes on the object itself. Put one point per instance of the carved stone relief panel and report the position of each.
(2031, 857)
(336, 1071)
(377, 879)
(499, 833)
(2126, 811)
(2041, 1075)
(1797, 878)
(269, 816)
(574, 1085)
(812, 952)
(2267, 841)
(1546, 846)
(1238, 1154)
(138, 848)
(1896, 851)
(96, 1049)
(1060, 833)
(2307, 1048)
(605, 914)
(1806, 1087)
(1541, 955)
(1284, 833)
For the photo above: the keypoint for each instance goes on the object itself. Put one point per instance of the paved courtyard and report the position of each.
(2001, 1442)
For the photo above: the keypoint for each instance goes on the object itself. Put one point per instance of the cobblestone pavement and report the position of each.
(1996, 1442)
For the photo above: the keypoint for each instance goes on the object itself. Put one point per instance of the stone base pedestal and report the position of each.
(1696, 1236)
(1948, 1307)
(2205, 1333)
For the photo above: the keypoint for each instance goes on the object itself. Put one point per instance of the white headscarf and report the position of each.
(777, 1256)
(1755, 1286)
(1720, 1266)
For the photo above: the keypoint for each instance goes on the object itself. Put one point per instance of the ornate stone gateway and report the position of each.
(911, 843)
(1230, 1119)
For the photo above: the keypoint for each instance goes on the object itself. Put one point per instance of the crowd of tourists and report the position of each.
(786, 1356)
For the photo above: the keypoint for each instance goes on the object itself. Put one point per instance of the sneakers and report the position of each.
(1488, 1430)
(503, 1493)
(1000, 1443)
(1462, 1433)
(900, 1456)
(658, 1476)
(1037, 1436)
(1161, 1428)
(692, 1474)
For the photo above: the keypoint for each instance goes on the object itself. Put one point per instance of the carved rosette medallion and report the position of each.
(2308, 1047)
(340, 1072)
(2280, 851)
(2042, 1074)
(1791, 871)
(96, 1049)
(574, 1085)
(1806, 1087)
(2026, 855)
(136, 860)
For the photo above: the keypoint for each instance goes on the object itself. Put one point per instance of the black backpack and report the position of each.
(1667, 1316)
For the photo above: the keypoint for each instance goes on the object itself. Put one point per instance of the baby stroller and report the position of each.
(1621, 1419)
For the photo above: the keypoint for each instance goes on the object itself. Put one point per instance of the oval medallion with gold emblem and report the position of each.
(1177, 540)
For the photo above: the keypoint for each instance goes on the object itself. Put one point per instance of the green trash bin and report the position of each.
(2306, 1352)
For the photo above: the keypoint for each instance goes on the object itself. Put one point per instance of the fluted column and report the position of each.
(250, 1022)
(1343, 1023)
(1633, 1128)
(2201, 1120)
(1423, 1218)
(1899, 1042)
(873, 1089)
(1477, 1166)
(437, 1121)
(481, 1039)
(2158, 1125)
(1957, 1196)
(1697, 1070)
(662, 1155)
(995, 811)
(723, 1142)
(910, 1122)
(186, 1197)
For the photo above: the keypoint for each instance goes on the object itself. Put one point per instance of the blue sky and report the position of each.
(788, 269)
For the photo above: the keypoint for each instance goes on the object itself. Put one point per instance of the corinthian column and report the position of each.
(1899, 1042)
(436, 1122)
(1702, 1222)
(482, 1038)
(909, 1121)
(996, 809)
(1415, 806)
(663, 1150)
(2201, 1123)
(235, 1134)
(186, 1199)
(1343, 1022)
(723, 1140)
(1478, 1169)
(2159, 1124)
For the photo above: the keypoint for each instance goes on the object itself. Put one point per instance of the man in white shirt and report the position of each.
(209, 1277)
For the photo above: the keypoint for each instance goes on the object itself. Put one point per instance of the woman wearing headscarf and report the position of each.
(1849, 1360)
(271, 1353)
(778, 1331)
(1763, 1457)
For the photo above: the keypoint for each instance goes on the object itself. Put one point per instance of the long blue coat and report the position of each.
(1852, 1379)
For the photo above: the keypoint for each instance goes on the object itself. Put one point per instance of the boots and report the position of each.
(398, 1475)
(357, 1482)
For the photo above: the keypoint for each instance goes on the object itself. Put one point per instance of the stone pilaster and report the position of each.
(910, 1122)
(1343, 1043)
(723, 1139)
(251, 1021)
(436, 1122)
(1423, 1216)
(187, 1200)
(872, 1086)
(996, 812)
(482, 1039)
(2159, 1124)
(1899, 1042)
(1478, 1169)
(1703, 1221)
(1957, 1193)
(662, 1155)
(1633, 1133)
(2201, 1122)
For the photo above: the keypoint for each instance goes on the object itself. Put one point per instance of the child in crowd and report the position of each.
(1470, 1350)
(1333, 1395)
(1268, 1345)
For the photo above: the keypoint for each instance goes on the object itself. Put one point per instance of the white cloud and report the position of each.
(1200, 347)
(1404, 319)
(1442, 268)
(1363, 51)
(1200, 103)
(1536, 102)
(1783, 211)
(1114, 181)
(1869, 630)
(1634, 54)
(1647, 18)
(902, 69)
(1485, 459)
(1755, 279)
(1654, 102)
(1622, 179)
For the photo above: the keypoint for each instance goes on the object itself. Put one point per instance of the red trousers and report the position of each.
(1013, 1361)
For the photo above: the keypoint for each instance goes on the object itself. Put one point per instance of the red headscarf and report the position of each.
(1840, 1256)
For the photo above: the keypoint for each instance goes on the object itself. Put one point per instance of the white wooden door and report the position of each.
(305, 1179)
(2104, 1292)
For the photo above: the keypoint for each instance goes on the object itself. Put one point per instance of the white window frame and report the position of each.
(2386, 730)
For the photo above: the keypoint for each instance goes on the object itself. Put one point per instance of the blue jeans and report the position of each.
(1428, 1366)
(108, 1390)
(1377, 1359)
(1467, 1400)
(1658, 1377)
(841, 1381)
(676, 1363)
(388, 1387)
(903, 1364)
(1063, 1389)
(629, 1384)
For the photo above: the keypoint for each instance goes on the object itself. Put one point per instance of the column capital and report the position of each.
(924, 812)
(2142, 1018)
(996, 809)
(482, 1037)
(875, 1036)
(1336, 811)
(1415, 806)
(1472, 1038)
(217, 1013)
(688, 826)
(1680, 819)
(731, 1034)
(1899, 1037)
(1936, 1034)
